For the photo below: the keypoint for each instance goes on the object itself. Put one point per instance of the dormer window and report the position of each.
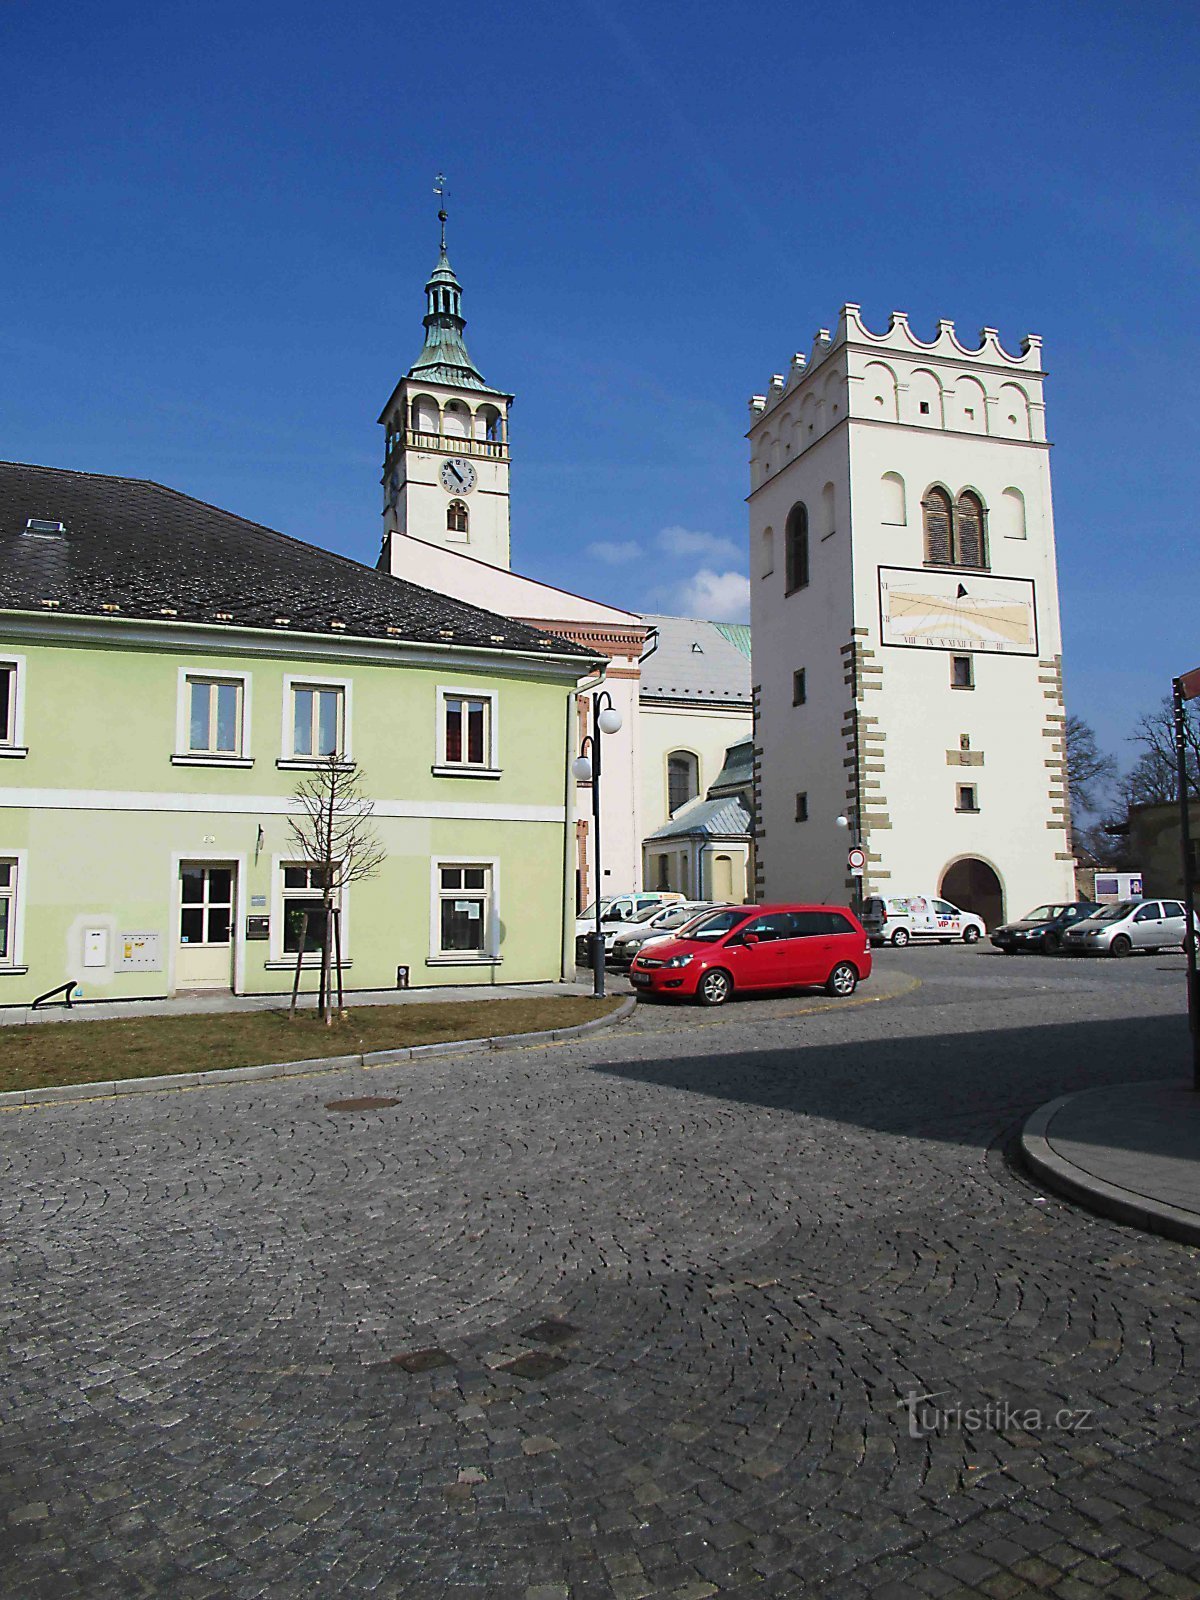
(42, 528)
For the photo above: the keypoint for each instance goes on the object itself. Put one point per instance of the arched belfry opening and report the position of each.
(972, 885)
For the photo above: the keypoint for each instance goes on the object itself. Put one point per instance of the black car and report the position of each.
(1042, 930)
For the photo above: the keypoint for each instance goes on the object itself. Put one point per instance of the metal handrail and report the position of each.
(65, 989)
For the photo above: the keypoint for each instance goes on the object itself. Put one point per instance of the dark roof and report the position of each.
(133, 548)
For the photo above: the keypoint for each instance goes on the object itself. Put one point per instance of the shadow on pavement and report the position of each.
(935, 1086)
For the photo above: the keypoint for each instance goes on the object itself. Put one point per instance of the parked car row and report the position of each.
(1084, 927)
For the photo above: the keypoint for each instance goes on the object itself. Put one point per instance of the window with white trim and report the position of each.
(215, 713)
(318, 720)
(303, 904)
(466, 732)
(8, 702)
(464, 911)
(8, 912)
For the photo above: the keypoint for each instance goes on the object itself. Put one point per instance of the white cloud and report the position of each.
(678, 541)
(615, 553)
(719, 596)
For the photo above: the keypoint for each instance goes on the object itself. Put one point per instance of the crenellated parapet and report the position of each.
(853, 373)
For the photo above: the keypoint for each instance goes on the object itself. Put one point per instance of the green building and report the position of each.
(169, 672)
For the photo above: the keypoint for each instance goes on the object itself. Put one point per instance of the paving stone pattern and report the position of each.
(761, 1229)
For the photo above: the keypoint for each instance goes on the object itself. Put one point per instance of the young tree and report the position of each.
(332, 830)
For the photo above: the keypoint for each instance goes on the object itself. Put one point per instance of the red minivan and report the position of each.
(757, 947)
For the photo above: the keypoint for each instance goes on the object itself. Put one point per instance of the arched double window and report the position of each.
(456, 517)
(955, 531)
(796, 541)
(683, 779)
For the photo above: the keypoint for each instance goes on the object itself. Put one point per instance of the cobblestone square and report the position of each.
(715, 1293)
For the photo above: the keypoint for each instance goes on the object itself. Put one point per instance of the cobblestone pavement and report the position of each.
(762, 1228)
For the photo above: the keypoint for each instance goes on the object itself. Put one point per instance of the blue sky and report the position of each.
(219, 219)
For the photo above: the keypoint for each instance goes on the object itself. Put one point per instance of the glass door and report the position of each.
(204, 955)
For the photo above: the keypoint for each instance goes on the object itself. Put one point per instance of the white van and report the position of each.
(616, 911)
(897, 919)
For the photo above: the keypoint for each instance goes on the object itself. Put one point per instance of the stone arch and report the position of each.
(1012, 412)
(456, 420)
(937, 512)
(973, 884)
(426, 414)
(879, 391)
(766, 553)
(893, 505)
(458, 519)
(968, 406)
(925, 390)
(1011, 515)
(970, 530)
(683, 779)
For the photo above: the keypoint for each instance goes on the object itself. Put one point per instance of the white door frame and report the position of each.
(210, 858)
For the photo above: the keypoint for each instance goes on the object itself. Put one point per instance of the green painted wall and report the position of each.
(102, 722)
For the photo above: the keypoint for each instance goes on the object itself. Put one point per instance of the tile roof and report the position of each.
(133, 548)
(698, 661)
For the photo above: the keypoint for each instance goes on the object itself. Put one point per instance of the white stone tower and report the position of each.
(907, 650)
(445, 466)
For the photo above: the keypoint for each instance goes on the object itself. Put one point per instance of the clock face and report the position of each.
(458, 476)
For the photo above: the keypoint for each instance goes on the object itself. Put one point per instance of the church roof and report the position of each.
(136, 549)
(698, 661)
(707, 819)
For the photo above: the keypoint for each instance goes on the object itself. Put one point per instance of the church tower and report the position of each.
(445, 465)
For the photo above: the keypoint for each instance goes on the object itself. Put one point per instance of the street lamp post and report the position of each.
(586, 767)
(845, 822)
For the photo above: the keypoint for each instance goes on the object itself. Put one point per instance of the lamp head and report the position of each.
(581, 769)
(843, 822)
(610, 720)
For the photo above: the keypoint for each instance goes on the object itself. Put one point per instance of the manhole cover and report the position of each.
(534, 1365)
(364, 1102)
(552, 1331)
(422, 1360)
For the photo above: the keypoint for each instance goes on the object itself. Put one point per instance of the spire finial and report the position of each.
(439, 188)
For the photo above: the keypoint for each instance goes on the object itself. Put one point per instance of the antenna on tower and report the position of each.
(439, 188)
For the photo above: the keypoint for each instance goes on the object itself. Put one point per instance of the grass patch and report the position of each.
(42, 1054)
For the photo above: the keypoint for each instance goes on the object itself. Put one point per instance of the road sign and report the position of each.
(856, 860)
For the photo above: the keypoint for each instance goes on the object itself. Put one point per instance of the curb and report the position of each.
(1094, 1194)
(58, 1093)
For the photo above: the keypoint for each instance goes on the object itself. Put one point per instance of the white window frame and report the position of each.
(490, 956)
(280, 959)
(490, 768)
(15, 748)
(185, 756)
(12, 965)
(288, 758)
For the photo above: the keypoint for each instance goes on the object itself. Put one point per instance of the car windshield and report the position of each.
(589, 912)
(1116, 913)
(1043, 913)
(716, 924)
(650, 911)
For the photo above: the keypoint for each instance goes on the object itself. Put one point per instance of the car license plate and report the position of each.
(639, 978)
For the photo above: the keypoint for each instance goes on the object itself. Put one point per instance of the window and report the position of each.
(214, 716)
(456, 517)
(967, 798)
(955, 535)
(8, 912)
(924, 408)
(683, 779)
(962, 672)
(796, 539)
(891, 487)
(802, 807)
(206, 905)
(466, 734)
(463, 911)
(799, 687)
(318, 720)
(303, 908)
(12, 706)
(767, 557)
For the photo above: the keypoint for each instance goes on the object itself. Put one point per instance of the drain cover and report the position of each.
(422, 1360)
(534, 1365)
(552, 1331)
(364, 1102)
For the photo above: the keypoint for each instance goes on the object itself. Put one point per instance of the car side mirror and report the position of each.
(749, 938)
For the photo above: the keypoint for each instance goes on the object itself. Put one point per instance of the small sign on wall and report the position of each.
(139, 952)
(258, 927)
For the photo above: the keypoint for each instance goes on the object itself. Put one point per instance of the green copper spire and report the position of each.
(444, 357)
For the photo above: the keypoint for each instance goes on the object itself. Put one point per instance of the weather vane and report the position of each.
(439, 188)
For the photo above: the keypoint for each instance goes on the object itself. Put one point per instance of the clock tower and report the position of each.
(445, 464)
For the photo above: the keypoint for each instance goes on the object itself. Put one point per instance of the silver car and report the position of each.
(660, 924)
(1129, 925)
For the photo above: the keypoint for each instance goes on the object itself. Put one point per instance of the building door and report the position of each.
(205, 951)
(972, 885)
(722, 878)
